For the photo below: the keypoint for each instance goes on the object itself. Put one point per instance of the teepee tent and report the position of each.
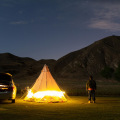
(45, 89)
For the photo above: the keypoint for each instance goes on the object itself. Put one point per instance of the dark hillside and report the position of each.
(90, 60)
(23, 68)
(78, 64)
(14, 64)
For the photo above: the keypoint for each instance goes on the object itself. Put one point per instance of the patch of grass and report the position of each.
(107, 88)
(77, 108)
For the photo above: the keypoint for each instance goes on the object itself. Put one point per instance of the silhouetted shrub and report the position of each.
(107, 72)
(117, 73)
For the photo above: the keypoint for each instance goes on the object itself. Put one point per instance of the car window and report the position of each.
(5, 79)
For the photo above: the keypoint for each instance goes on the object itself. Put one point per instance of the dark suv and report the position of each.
(7, 87)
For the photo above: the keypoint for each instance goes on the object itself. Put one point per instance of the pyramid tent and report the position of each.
(45, 89)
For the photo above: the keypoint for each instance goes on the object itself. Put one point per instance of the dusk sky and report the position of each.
(50, 29)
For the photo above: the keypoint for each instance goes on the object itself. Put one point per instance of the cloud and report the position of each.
(105, 25)
(18, 22)
(106, 17)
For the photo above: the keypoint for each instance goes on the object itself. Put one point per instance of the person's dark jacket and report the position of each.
(91, 85)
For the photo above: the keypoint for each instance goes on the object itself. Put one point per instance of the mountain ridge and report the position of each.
(77, 64)
(91, 59)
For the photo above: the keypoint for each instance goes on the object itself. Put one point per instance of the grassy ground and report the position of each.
(74, 87)
(77, 108)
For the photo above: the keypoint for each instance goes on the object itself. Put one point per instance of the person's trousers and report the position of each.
(91, 94)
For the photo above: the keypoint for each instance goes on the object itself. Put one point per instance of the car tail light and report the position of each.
(11, 88)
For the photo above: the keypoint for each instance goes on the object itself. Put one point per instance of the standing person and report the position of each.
(91, 87)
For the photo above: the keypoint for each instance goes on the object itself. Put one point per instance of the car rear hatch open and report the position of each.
(5, 83)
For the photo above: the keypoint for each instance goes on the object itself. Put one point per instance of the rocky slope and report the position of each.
(91, 59)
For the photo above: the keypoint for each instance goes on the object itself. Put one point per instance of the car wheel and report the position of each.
(13, 101)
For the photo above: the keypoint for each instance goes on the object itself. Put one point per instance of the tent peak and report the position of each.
(45, 68)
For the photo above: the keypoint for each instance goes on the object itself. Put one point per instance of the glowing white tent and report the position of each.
(45, 89)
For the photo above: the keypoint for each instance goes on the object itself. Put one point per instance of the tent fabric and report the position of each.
(45, 82)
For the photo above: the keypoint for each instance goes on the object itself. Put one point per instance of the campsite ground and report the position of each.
(77, 108)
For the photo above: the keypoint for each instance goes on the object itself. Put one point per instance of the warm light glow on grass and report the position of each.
(46, 96)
